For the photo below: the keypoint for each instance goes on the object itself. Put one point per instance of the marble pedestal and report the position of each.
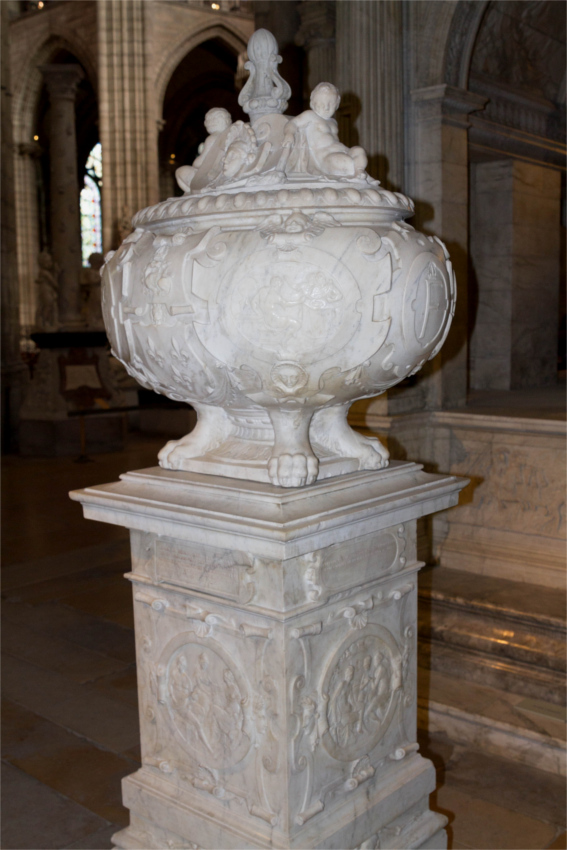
(276, 650)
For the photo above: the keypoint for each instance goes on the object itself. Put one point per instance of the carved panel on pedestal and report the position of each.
(358, 690)
(206, 698)
(224, 573)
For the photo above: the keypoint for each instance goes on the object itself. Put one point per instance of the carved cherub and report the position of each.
(217, 121)
(47, 314)
(228, 153)
(311, 140)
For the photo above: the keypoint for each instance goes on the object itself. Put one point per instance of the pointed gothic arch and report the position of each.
(230, 36)
(463, 31)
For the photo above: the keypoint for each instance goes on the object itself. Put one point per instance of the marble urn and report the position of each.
(282, 286)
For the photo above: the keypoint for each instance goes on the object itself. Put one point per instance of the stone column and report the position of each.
(515, 260)
(440, 190)
(128, 112)
(13, 368)
(27, 226)
(369, 60)
(276, 646)
(62, 82)
(317, 37)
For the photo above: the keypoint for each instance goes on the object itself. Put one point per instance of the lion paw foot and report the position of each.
(176, 452)
(296, 470)
(372, 454)
(168, 457)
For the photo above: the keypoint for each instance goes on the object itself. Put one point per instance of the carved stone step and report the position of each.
(496, 632)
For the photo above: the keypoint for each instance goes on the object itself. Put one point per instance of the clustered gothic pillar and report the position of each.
(12, 366)
(128, 120)
(317, 37)
(62, 82)
(369, 76)
(10, 299)
(27, 227)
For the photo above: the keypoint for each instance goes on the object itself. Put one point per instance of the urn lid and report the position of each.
(276, 166)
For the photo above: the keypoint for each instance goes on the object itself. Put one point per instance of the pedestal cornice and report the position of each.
(278, 523)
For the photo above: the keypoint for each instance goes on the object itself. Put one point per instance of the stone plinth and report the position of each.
(276, 647)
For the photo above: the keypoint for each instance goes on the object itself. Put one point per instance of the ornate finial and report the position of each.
(265, 91)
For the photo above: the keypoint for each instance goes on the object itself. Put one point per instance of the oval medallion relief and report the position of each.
(293, 308)
(206, 699)
(359, 689)
(427, 301)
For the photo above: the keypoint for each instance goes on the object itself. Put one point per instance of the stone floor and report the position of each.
(70, 723)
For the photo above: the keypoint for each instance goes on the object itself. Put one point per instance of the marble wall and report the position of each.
(510, 521)
(514, 244)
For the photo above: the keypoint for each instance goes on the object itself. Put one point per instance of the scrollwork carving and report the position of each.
(297, 229)
(313, 563)
(361, 771)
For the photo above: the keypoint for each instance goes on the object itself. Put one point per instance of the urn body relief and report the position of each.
(284, 285)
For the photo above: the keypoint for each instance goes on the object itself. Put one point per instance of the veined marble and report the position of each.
(276, 654)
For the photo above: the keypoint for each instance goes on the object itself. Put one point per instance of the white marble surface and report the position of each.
(276, 656)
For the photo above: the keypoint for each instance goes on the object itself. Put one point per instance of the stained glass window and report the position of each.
(91, 218)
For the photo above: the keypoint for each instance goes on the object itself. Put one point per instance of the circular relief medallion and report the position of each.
(293, 308)
(359, 690)
(427, 301)
(205, 697)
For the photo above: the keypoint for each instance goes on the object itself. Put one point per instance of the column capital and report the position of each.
(317, 23)
(32, 149)
(452, 104)
(62, 80)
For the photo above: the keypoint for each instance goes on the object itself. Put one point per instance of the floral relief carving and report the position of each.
(295, 230)
(313, 562)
